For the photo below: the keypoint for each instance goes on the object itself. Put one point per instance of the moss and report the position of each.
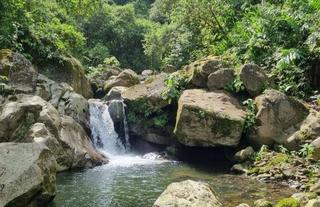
(288, 202)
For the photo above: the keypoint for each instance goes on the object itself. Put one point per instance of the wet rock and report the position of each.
(126, 78)
(188, 193)
(209, 119)
(244, 155)
(201, 69)
(27, 175)
(239, 169)
(220, 79)
(253, 78)
(262, 203)
(19, 71)
(278, 117)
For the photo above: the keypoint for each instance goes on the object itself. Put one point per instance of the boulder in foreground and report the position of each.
(188, 194)
(27, 175)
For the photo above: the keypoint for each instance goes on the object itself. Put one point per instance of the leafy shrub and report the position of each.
(250, 119)
(288, 202)
(236, 86)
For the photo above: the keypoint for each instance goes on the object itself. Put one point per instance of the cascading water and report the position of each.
(107, 140)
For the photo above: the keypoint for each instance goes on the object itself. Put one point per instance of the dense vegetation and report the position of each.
(282, 36)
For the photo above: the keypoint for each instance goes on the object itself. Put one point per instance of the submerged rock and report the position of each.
(27, 175)
(278, 117)
(188, 194)
(209, 119)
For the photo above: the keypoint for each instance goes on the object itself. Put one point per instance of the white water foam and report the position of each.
(106, 139)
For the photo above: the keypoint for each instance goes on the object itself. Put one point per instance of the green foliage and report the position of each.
(25, 126)
(306, 150)
(161, 120)
(288, 202)
(236, 86)
(250, 119)
(175, 83)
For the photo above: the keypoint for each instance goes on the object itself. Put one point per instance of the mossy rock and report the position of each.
(209, 119)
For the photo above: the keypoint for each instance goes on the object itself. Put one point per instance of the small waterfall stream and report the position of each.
(106, 139)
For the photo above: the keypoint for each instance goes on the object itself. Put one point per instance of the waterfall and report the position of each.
(104, 135)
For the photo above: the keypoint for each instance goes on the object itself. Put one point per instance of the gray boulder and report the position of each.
(27, 175)
(188, 194)
(220, 79)
(253, 78)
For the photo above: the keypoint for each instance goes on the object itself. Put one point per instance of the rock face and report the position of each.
(201, 69)
(20, 73)
(69, 71)
(278, 117)
(253, 78)
(75, 105)
(29, 181)
(145, 107)
(209, 119)
(220, 79)
(150, 90)
(188, 194)
(313, 203)
(66, 138)
(126, 78)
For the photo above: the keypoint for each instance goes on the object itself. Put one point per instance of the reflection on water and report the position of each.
(138, 185)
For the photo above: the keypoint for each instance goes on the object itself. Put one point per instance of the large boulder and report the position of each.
(150, 91)
(75, 105)
(220, 79)
(69, 70)
(278, 117)
(188, 194)
(147, 114)
(201, 69)
(72, 147)
(253, 78)
(209, 119)
(27, 175)
(126, 78)
(19, 71)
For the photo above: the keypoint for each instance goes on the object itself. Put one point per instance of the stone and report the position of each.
(201, 69)
(115, 93)
(65, 137)
(278, 117)
(150, 91)
(209, 119)
(308, 131)
(75, 105)
(315, 188)
(27, 175)
(19, 71)
(244, 154)
(169, 69)
(253, 78)
(316, 144)
(126, 78)
(188, 194)
(243, 205)
(262, 203)
(313, 203)
(304, 197)
(145, 74)
(68, 69)
(239, 168)
(220, 79)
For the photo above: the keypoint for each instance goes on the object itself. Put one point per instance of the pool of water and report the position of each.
(138, 183)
